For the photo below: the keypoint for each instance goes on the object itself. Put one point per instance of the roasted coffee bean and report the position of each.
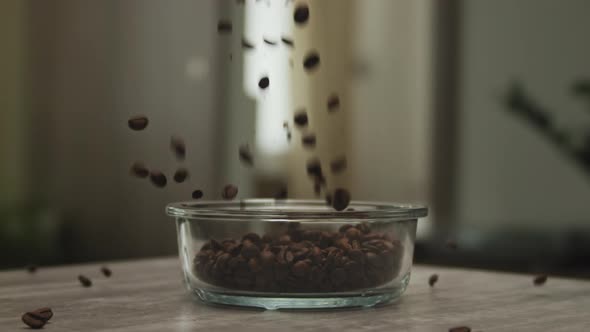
(301, 14)
(341, 199)
(460, 329)
(267, 258)
(249, 249)
(363, 226)
(224, 27)
(308, 140)
(314, 168)
(264, 82)
(139, 122)
(287, 41)
(432, 280)
(300, 118)
(139, 170)
(158, 179)
(85, 281)
(269, 42)
(229, 192)
(178, 147)
(540, 280)
(338, 165)
(253, 237)
(333, 103)
(180, 175)
(353, 234)
(106, 271)
(31, 268)
(311, 61)
(43, 314)
(345, 227)
(33, 321)
(247, 45)
(197, 194)
(301, 268)
(246, 155)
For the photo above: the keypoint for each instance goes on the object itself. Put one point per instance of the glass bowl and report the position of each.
(295, 254)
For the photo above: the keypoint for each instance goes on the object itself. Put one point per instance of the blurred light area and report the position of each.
(274, 105)
(197, 68)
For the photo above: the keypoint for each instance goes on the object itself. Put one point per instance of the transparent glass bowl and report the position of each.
(295, 254)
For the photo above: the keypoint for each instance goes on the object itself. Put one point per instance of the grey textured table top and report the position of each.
(147, 295)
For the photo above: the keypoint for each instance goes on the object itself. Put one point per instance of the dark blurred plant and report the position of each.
(521, 104)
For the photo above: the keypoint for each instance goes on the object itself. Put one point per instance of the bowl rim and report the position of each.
(268, 210)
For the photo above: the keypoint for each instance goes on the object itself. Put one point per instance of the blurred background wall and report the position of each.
(432, 97)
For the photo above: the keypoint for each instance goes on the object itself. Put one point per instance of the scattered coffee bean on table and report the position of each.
(85, 281)
(229, 192)
(106, 271)
(311, 61)
(308, 140)
(224, 27)
(139, 122)
(338, 165)
(301, 14)
(197, 194)
(31, 268)
(287, 41)
(460, 329)
(158, 179)
(246, 155)
(300, 118)
(181, 175)
(269, 42)
(139, 170)
(540, 280)
(264, 82)
(432, 280)
(178, 147)
(33, 321)
(44, 313)
(333, 103)
(341, 199)
(301, 260)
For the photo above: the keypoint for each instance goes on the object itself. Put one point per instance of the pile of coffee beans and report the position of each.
(302, 260)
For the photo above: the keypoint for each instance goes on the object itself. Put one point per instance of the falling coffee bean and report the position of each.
(460, 329)
(301, 14)
(158, 179)
(31, 268)
(308, 140)
(300, 118)
(264, 83)
(33, 321)
(224, 27)
(338, 165)
(85, 281)
(197, 194)
(341, 199)
(139, 170)
(229, 192)
(314, 167)
(44, 313)
(432, 280)
(178, 147)
(269, 42)
(311, 61)
(333, 103)
(540, 280)
(139, 122)
(245, 155)
(180, 175)
(106, 271)
(246, 44)
(287, 41)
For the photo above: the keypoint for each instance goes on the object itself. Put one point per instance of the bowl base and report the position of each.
(368, 298)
